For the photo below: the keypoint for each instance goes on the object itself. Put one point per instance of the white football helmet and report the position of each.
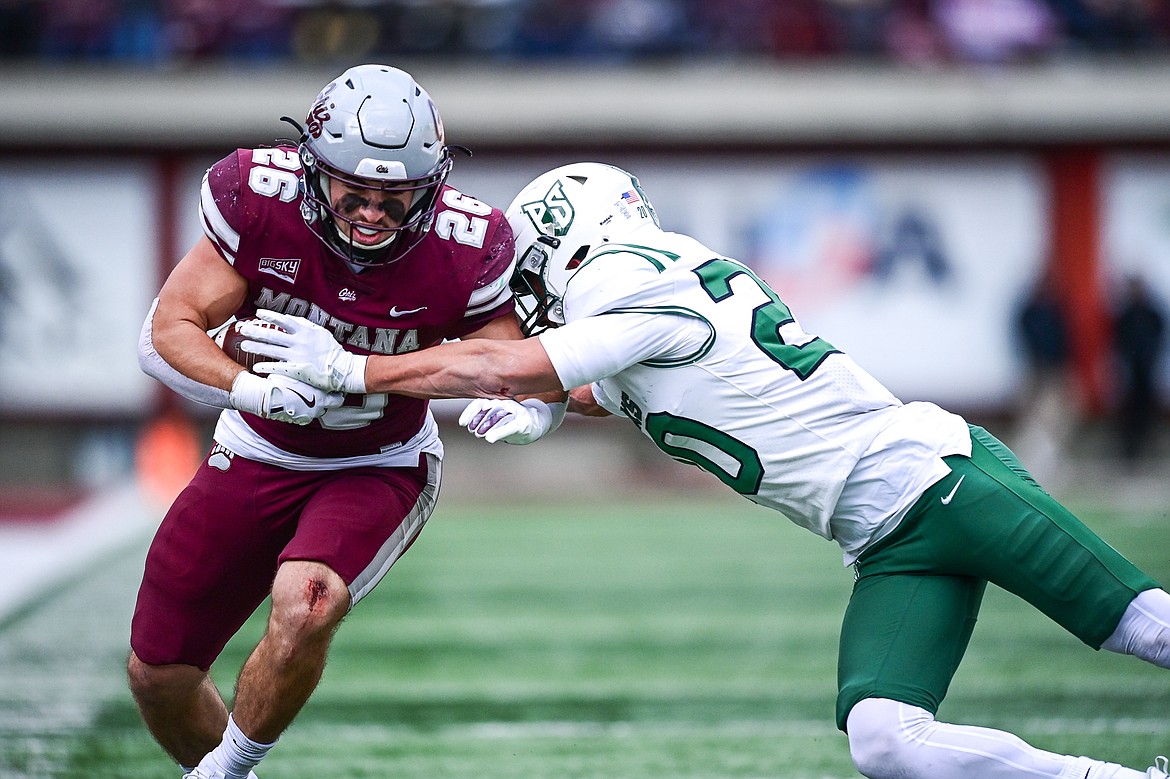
(558, 219)
(373, 127)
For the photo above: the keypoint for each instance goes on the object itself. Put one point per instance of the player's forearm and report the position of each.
(477, 368)
(187, 348)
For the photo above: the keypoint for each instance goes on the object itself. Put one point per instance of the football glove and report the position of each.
(510, 421)
(307, 352)
(281, 398)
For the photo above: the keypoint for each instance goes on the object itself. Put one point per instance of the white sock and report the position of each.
(236, 754)
(1114, 771)
(1144, 629)
(893, 740)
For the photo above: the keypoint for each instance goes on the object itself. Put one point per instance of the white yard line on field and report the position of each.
(804, 728)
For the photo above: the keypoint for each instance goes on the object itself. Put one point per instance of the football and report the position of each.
(229, 339)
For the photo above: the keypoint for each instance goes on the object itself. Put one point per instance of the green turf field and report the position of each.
(667, 639)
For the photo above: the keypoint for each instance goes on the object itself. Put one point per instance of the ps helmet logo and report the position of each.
(553, 215)
(382, 169)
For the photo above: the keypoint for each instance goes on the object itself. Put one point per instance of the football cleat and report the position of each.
(1160, 769)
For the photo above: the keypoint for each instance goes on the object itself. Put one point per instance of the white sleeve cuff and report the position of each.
(250, 394)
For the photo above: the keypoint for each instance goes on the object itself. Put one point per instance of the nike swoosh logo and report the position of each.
(951, 495)
(395, 312)
(312, 402)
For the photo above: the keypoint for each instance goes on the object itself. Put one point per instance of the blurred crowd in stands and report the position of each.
(178, 33)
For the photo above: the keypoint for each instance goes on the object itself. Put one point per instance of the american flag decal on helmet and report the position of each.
(630, 198)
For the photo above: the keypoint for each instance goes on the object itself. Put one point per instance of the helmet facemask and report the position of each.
(538, 307)
(335, 227)
(538, 285)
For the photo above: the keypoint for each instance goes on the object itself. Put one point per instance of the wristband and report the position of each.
(250, 394)
(354, 378)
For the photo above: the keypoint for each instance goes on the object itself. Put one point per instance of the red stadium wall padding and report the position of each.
(1076, 248)
(167, 186)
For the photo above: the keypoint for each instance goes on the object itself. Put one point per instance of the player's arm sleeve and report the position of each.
(595, 347)
(155, 366)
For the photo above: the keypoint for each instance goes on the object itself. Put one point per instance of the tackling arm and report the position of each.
(493, 363)
(506, 328)
(527, 419)
(478, 367)
(475, 368)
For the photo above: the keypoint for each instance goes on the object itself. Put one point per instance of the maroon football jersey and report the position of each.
(452, 283)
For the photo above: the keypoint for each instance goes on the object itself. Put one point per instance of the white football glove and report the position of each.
(510, 421)
(281, 398)
(307, 352)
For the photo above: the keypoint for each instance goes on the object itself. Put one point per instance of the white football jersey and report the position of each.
(711, 365)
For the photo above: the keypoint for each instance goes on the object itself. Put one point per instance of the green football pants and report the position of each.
(919, 589)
